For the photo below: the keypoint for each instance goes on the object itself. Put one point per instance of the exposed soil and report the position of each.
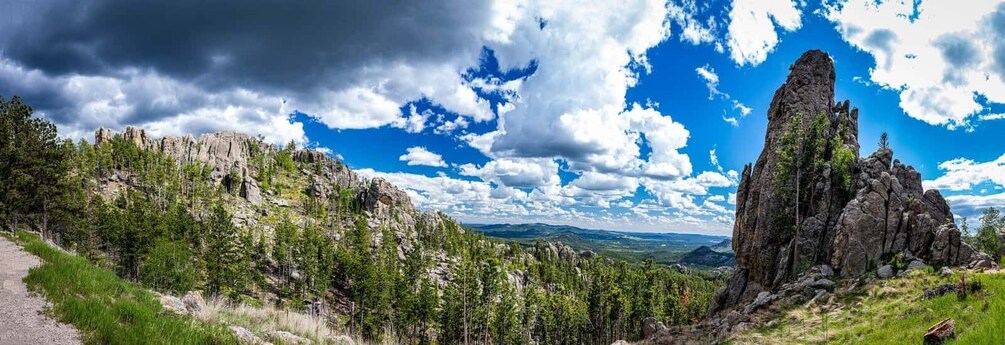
(22, 320)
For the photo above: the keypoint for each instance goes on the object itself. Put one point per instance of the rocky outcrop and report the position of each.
(381, 194)
(102, 135)
(809, 200)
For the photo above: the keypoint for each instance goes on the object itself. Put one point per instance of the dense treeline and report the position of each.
(169, 227)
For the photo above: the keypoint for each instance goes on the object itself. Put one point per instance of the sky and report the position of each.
(626, 115)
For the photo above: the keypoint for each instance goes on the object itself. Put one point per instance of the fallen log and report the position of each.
(940, 332)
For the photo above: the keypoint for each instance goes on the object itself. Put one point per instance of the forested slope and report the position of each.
(235, 217)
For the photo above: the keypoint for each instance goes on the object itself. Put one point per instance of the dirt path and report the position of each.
(21, 317)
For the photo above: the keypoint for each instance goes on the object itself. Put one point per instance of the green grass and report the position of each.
(105, 308)
(891, 312)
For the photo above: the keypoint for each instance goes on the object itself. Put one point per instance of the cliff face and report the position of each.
(810, 200)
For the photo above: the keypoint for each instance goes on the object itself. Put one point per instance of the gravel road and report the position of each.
(21, 313)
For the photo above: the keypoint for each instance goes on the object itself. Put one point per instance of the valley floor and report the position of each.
(21, 311)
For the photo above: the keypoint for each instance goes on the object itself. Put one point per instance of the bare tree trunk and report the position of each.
(795, 242)
(464, 292)
(45, 218)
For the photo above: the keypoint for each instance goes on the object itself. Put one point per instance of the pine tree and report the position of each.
(168, 267)
(33, 161)
(223, 255)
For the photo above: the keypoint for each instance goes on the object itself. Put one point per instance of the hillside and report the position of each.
(896, 311)
(706, 257)
(287, 228)
(662, 248)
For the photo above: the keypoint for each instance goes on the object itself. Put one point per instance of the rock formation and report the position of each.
(809, 200)
(231, 155)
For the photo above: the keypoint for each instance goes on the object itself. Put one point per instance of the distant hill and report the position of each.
(725, 245)
(663, 248)
(705, 256)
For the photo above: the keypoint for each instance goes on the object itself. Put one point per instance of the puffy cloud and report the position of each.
(939, 56)
(713, 179)
(573, 106)
(421, 156)
(751, 31)
(971, 206)
(963, 174)
(516, 172)
(593, 181)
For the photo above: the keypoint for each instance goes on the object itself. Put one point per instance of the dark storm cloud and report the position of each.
(265, 45)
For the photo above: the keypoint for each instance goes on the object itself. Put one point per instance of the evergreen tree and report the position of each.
(33, 162)
(223, 255)
(168, 267)
(992, 224)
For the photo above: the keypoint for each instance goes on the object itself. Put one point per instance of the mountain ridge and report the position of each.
(663, 248)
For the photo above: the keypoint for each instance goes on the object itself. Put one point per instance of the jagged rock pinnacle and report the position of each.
(809, 200)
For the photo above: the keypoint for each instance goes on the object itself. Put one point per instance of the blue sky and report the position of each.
(633, 116)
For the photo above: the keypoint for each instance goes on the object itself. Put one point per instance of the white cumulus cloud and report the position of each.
(419, 155)
(938, 56)
(751, 31)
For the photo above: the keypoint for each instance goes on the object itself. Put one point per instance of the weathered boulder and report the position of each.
(171, 304)
(915, 265)
(284, 337)
(341, 339)
(825, 284)
(650, 327)
(244, 336)
(884, 272)
(193, 301)
(250, 191)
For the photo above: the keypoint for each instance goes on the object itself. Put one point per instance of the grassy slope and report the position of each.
(891, 312)
(105, 308)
